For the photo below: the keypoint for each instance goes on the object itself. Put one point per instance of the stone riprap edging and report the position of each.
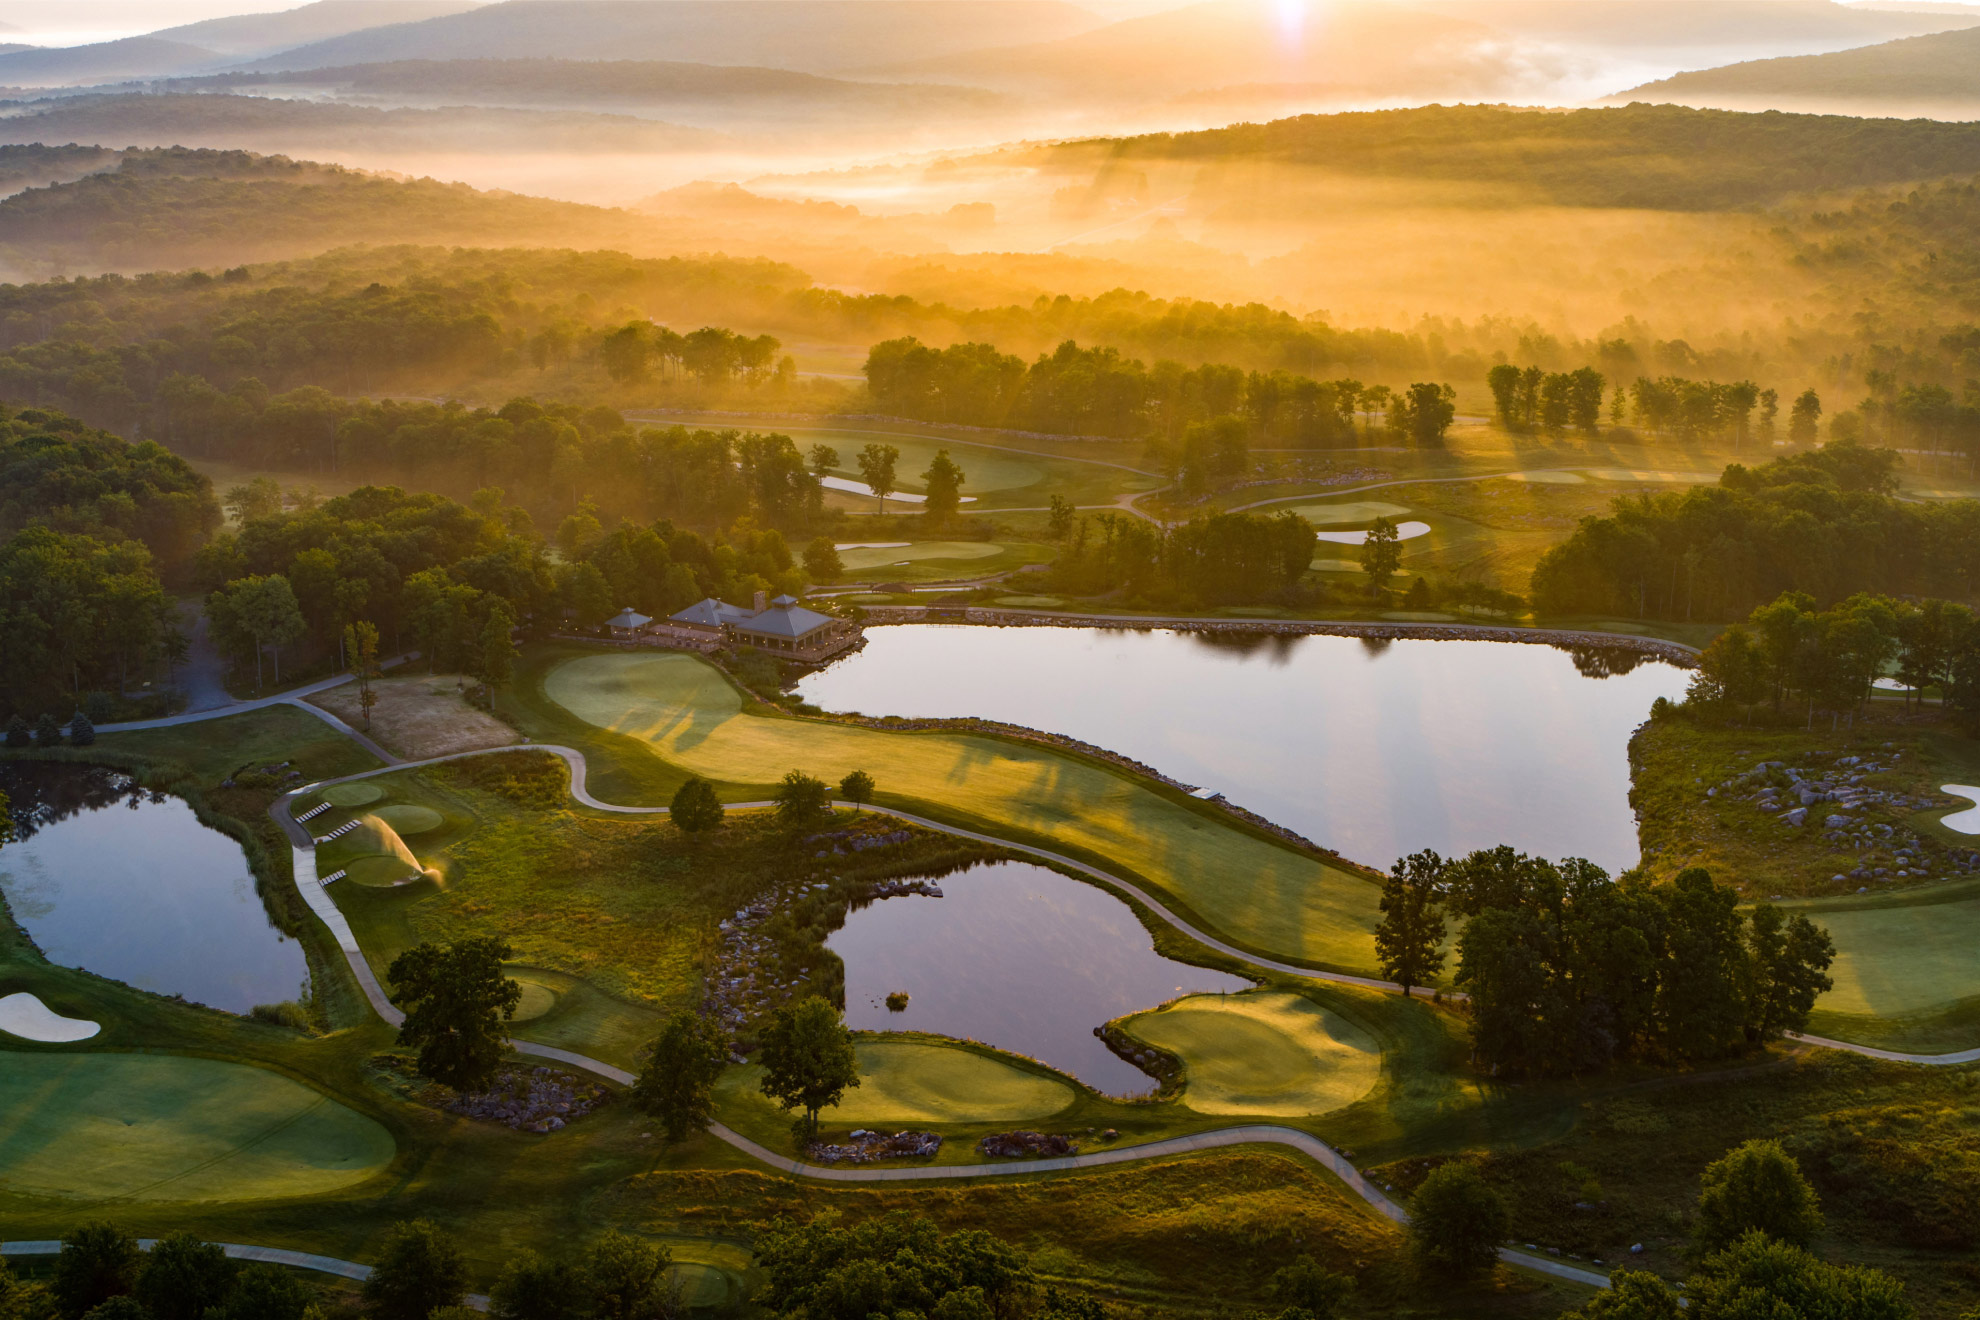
(1676, 653)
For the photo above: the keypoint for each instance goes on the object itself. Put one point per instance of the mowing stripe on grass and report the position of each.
(1260, 893)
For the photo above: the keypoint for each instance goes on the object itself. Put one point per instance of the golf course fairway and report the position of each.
(924, 1082)
(1899, 954)
(1261, 894)
(172, 1128)
(1266, 1053)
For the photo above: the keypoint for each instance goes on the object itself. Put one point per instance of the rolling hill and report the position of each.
(104, 61)
(1930, 75)
(817, 36)
(260, 34)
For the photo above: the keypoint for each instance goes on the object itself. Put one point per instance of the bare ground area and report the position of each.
(421, 715)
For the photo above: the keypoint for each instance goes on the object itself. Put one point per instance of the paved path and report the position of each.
(309, 1261)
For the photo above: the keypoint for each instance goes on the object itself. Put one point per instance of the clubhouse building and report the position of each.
(780, 626)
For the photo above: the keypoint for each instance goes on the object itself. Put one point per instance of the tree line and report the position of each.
(1790, 652)
(1223, 559)
(1098, 391)
(1569, 971)
(1824, 522)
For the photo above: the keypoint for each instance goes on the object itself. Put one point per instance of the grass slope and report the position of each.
(1263, 895)
(921, 1082)
(1269, 1053)
(173, 1128)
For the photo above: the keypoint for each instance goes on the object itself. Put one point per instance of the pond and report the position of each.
(1376, 749)
(127, 883)
(1015, 956)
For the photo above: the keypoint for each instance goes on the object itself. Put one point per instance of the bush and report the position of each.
(267, 1292)
(1637, 1295)
(98, 1262)
(1759, 1276)
(17, 732)
(287, 1014)
(47, 731)
(184, 1275)
(1306, 1288)
(81, 732)
(1457, 1222)
(1755, 1186)
(420, 1270)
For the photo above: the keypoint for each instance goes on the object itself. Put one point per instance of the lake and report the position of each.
(1015, 956)
(128, 884)
(1374, 748)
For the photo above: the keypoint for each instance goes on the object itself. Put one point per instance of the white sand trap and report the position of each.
(1966, 822)
(871, 545)
(1549, 478)
(1350, 511)
(23, 1014)
(851, 487)
(1404, 531)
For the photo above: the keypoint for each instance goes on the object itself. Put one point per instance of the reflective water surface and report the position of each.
(128, 884)
(1373, 748)
(1018, 957)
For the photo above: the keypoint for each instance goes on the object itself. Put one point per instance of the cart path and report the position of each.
(309, 1261)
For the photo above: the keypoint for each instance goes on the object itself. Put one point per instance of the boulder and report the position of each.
(1797, 816)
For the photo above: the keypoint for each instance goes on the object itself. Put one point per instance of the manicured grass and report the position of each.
(538, 998)
(1901, 954)
(174, 1128)
(355, 794)
(373, 854)
(1263, 1053)
(1260, 893)
(921, 561)
(410, 818)
(921, 1082)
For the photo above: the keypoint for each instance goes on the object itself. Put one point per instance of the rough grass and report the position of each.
(919, 1083)
(1265, 1053)
(1190, 1236)
(418, 715)
(173, 1128)
(1891, 1149)
(1901, 954)
(1262, 894)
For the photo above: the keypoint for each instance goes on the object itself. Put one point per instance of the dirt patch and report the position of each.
(421, 715)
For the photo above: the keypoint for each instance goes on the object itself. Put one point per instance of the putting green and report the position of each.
(1268, 896)
(355, 794)
(1350, 511)
(1270, 1053)
(876, 557)
(537, 999)
(380, 872)
(921, 1082)
(172, 1128)
(1900, 954)
(410, 818)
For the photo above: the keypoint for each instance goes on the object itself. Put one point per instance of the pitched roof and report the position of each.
(629, 618)
(784, 621)
(711, 613)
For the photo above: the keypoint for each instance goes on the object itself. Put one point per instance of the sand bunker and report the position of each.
(1966, 822)
(23, 1015)
(1404, 531)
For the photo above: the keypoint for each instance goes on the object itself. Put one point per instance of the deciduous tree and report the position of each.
(1755, 1186)
(456, 1000)
(857, 788)
(420, 1269)
(1409, 939)
(808, 1060)
(676, 1083)
(1457, 1221)
(695, 809)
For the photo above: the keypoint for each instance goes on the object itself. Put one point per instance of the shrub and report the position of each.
(184, 1275)
(1755, 1186)
(696, 809)
(1306, 1288)
(1456, 1221)
(17, 732)
(1760, 1276)
(1637, 1295)
(81, 732)
(47, 731)
(287, 1014)
(420, 1270)
(98, 1262)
